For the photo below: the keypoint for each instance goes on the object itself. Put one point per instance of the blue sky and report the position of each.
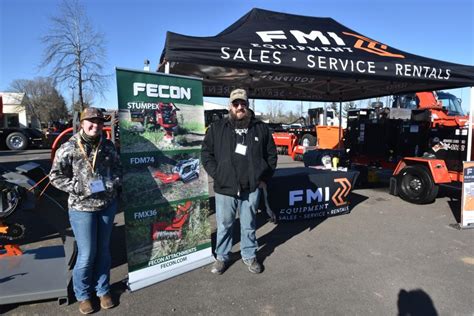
(136, 30)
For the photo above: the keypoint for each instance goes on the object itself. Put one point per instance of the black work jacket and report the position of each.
(219, 146)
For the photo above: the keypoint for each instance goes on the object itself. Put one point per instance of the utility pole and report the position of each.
(146, 66)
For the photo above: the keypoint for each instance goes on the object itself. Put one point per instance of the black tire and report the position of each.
(309, 139)
(17, 141)
(415, 185)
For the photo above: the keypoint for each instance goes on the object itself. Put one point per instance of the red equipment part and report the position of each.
(166, 177)
(437, 167)
(166, 115)
(10, 251)
(284, 140)
(167, 119)
(173, 230)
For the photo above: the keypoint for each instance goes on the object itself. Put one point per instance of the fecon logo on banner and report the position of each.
(153, 90)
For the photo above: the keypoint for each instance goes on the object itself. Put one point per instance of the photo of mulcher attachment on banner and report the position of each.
(167, 177)
(174, 228)
(167, 126)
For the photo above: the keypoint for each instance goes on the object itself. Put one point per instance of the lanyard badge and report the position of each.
(241, 149)
(96, 184)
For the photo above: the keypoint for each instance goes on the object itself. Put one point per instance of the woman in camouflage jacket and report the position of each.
(88, 168)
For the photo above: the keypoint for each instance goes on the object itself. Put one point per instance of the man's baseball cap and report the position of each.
(92, 113)
(238, 94)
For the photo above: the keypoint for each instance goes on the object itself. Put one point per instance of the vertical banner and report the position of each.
(467, 208)
(165, 188)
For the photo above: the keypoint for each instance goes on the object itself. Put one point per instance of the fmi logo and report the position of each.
(329, 38)
(301, 37)
(322, 194)
(308, 196)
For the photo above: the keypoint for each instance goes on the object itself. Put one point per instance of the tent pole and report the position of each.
(325, 114)
(469, 132)
(340, 125)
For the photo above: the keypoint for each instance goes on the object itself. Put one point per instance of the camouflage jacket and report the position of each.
(72, 173)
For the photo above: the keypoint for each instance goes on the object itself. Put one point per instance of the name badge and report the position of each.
(96, 185)
(241, 149)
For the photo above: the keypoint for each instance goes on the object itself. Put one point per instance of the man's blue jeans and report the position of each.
(92, 231)
(226, 213)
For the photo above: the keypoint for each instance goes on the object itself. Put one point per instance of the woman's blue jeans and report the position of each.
(226, 212)
(92, 231)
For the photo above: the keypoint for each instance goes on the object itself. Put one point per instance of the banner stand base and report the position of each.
(458, 226)
(152, 279)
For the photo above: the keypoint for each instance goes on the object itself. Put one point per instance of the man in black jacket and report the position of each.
(239, 154)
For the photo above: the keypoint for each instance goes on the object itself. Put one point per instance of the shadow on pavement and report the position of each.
(454, 202)
(282, 232)
(415, 303)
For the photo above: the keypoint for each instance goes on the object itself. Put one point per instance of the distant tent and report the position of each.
(290, 57)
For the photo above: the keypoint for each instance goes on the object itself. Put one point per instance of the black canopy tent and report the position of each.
(290, 57)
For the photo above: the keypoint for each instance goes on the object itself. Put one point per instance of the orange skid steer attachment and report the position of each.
(166, 177)
(173, 230)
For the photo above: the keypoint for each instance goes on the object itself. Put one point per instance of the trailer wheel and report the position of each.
(415, 185)
(308, 140)
(17, 141)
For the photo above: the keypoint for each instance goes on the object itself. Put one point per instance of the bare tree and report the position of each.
(75, 51)
(44, 100)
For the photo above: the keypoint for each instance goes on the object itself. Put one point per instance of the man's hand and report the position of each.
(270, 213)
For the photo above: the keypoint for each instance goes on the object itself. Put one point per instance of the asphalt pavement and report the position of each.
(387, 257)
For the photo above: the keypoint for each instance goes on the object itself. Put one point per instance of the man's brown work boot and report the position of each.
(106, 301)
(85, 307)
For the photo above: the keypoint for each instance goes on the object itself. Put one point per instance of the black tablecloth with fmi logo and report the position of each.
(305, 193)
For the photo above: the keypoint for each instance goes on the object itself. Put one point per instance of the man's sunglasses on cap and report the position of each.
(236, 103)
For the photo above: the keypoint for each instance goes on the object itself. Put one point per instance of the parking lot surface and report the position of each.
(386, 257)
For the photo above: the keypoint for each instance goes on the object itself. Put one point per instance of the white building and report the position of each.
(17, 111)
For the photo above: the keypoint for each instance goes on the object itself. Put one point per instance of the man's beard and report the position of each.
(240, 123)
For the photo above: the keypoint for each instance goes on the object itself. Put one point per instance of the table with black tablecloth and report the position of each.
(305, 193)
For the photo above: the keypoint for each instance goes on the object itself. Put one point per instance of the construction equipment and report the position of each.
(211, 116)
(416, 145)
(17, 137)
(172, 230)
(295, 141)
(185, 170)
(10, 201)
(166, 118)
(41, 272)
